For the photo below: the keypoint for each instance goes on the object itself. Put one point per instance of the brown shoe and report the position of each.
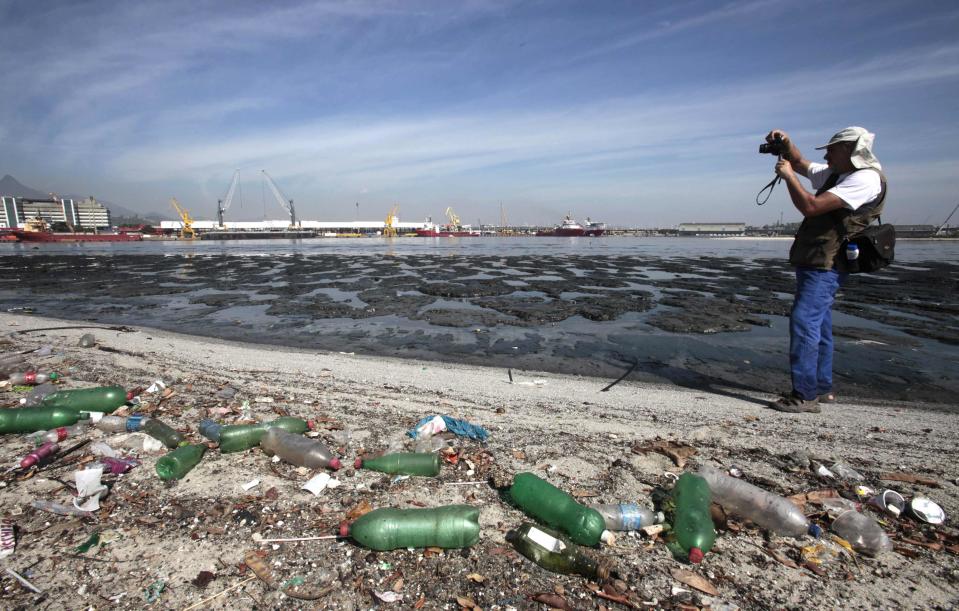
(794, 404)
(828, 397)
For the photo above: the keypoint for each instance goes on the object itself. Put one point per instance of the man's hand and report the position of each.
(777, 132)
(784, 169)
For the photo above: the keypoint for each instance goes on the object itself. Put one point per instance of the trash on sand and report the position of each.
(319, 483)
(678, 452)
(298, 450)
(890, 502)
(910, 478)
(259, 538)
(554, 507)
(116, 466)
(693, 534)
(552, 600)
(431, 425)
(628, 516)
(8, 538)
(163, 433)
(822, 471)
(87, 341)
(862, 532)
(59, 508)
(406, 463)
(250, 484)
(156, 387)
(179, 462)
(926, 510)
(767, 510)
(89, 489)
(846, 472)
(551, 550)
(255, 561)
(92, 541)
(23, 581)
(388, 596)
(45, 451)
(153, 591)
(451, 526)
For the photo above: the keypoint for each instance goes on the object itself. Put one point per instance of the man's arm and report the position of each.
(799, 164)
(807, 203)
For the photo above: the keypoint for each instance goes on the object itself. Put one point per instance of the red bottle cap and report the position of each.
(61, 433)
(695, 555)
(335, 464)
(130, 395)
(311, 425)
(344, 529)
(30, 377)
(358, 463)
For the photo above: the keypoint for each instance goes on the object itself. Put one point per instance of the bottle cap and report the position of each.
(311, 425)
(335, 464)
(54, 376)
(659, 517)
(344, 529)
(608, 538)
(695, 555)
(358, 463)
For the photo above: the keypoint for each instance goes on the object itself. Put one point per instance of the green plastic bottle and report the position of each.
(426, 464)
(553, 507)
(163, 433)
(100, 399)
(239, 437)
(692, 534)
(387, 528)
(33, 419)
(179, 462)
(554, 552)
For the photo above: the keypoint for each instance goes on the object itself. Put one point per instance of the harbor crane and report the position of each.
(452, 217)
(222, 205)
(945, 222)
(281, 199)
(389, 227)
(187, 231)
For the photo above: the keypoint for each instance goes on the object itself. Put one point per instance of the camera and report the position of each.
(776, 147)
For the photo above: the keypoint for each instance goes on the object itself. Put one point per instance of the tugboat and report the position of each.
(571, 228)
(37, 230)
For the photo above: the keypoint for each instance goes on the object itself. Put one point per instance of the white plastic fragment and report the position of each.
(251, 484)
(317, 483)
(89, 489)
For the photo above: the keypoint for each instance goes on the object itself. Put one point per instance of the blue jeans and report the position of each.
(810, 331)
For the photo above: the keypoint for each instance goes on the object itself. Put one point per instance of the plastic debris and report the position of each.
(250, 484)
(92, 541)
(8, 539)
(926, 510)
(89, 489)
(431, 425)
(153, 591)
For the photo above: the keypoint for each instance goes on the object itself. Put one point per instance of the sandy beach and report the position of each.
(173, 545)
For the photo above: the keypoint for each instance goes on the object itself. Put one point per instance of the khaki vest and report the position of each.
(819, 237)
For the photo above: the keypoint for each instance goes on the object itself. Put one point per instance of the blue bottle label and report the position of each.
(631, 516)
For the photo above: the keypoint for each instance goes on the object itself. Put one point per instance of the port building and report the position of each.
(87, 214)
(712, 229)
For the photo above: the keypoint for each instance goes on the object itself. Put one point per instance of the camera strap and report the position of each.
(772, 183)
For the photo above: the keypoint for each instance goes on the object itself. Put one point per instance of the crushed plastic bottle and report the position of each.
(551, 550)
(99, 399)
(426, 465)
(32, 377)
(180, 461)
(116, 466)
(628, 516)
(57, 434)
(163, 433)
(547, 503)
(452, 526)
(692, 535)
(862, 532)
(35, 397)
(298, 450)
(767, 510)
(240, 437)
(32, 419)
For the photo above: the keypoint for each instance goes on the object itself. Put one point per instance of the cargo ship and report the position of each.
(36, 230)
(447, 232)
(571, 228)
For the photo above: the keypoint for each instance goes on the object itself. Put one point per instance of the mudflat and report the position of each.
(175, 544)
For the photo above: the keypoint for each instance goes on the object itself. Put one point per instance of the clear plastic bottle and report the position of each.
(767, 510)
(298, 450)
(628, 516)
(32, 377)
(862, 532)
(35, 397)
(163, 433)
(121, 424)
(554, 552)
(452, 526)
(547, 503)
(57, 434)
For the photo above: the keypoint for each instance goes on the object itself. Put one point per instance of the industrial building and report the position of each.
(712, 229)
(85, 214)
(320, 227)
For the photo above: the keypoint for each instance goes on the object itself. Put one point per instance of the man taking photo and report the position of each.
(850, 190)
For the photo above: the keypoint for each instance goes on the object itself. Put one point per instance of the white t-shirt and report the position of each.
(854, 188)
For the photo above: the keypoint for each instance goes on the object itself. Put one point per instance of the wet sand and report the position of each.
(700, 322)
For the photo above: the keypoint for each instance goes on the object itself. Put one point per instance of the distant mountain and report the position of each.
(11, 186)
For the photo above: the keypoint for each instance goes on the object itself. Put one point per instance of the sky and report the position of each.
(636, 113)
